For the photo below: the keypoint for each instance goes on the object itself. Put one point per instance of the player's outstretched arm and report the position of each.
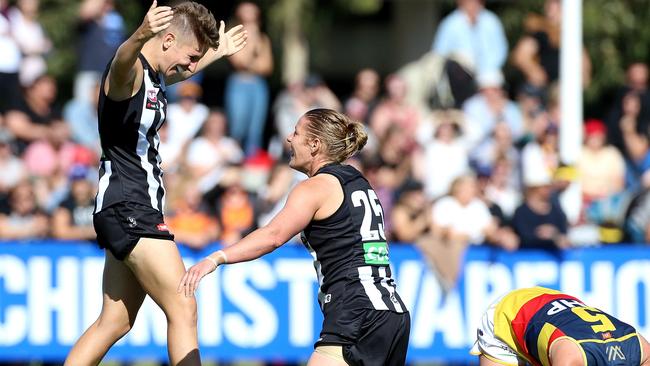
(230, 42)
(125, 72)
(302, 204)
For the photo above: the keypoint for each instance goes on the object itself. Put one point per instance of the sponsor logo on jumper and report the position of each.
(132, 222)
(614, 353)
(152, 99)
(162, 227)
(375, 252)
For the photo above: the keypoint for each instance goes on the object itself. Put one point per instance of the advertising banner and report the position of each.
(267, 310)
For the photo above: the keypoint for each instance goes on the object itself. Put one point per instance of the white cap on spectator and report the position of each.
(536, 176)
(490, 79)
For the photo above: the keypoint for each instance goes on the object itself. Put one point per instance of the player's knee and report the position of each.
(183, 311)
(116, 326)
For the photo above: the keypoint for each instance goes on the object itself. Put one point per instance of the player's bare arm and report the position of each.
(230, 42)
(125, 75)
(302, 205)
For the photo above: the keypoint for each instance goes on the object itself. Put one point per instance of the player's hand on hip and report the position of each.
(233, 40)
(191, 278)
(157, 19)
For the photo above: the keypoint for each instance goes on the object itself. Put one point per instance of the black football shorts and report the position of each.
(120, 227)
(368, 337)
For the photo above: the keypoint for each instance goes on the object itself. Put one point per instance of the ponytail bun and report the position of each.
(355, 139)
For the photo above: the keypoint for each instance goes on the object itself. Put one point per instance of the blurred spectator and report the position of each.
(531, 101)
(209, 154)
(601, 167)
(636, 144)
(499, 144)
(537, 53)
(384, 180)
(395, 151)
(184, 119)
(25, 220)
(235, 209)
(100, 31)
(444, 156)
(503, 236)
(638, 219)
(609, 215)
(540, 221)
(51, 190)
(410, 215)
(173, 161)
(458, 219)
(387, 170)
(428, 85)
(462, 214)
(12, 168)
(395, 110)
(81, 116)
(73, 219)
(502, 188)
(273, 195)
(361, 104)
(542, 154)
(489, 107)
(31, 117)
(43, 157)
(631, 96)
(473, 38)
(9, 62)
(292, 102)
(31, 38)
(247, 94)
(190, 221)
(256, 170)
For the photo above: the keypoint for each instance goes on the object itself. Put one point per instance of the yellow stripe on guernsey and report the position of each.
(507, 310)
(619, 339)
(542, 343)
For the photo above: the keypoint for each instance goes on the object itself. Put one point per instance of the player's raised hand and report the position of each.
(233, 40)
(190, 281)
(156, 19)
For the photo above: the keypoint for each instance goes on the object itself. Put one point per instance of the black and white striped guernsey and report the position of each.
(130, 170)
(350, 250)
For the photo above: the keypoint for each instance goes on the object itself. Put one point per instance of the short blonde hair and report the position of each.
(194, 18)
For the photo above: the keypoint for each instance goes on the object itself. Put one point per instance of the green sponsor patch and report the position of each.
(375, 252)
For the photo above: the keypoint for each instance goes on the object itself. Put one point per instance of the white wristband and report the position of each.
(223, 254)
(213, 261)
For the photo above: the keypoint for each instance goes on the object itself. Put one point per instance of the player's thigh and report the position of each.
(122, 293)
(158, 266)
(486, 361)
(327, 356)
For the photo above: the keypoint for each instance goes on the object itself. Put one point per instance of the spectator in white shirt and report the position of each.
(185, 117)
(458, 220)
(209, 154)
(490, 106)
(444, 157)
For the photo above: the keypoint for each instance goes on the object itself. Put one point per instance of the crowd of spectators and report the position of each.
(463, 161)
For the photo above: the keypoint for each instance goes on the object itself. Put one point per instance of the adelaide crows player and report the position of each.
(540, 326)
